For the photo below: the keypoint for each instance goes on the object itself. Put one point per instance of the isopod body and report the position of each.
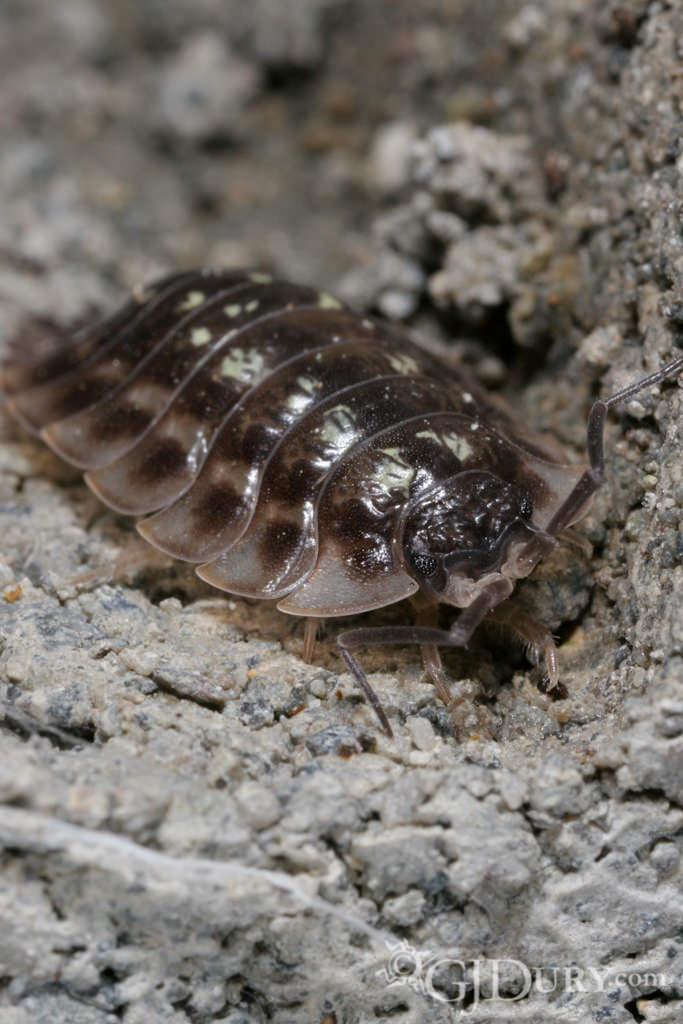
(302, 453)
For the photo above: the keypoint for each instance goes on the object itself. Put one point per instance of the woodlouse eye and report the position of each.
(429, 570)
(425, 565)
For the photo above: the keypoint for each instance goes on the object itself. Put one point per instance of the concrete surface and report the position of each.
(195, 825)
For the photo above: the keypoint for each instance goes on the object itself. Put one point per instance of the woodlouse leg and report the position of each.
(577, 540)
(310, 637)
(532, 632)
(427, 615)
(425, 636)
(433, 666)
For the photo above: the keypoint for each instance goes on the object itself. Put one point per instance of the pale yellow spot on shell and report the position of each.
(307, 384)
(327, 301)
(242, 364)
(338, 427)
(260, 278)
(394, 473)
(251, 306)
(233, 310)
(191, 301)
(403, 364)
(460, 446)
(393, 453)
(300, 399)
(200, 336)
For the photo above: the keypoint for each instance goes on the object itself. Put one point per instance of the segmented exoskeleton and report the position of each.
(306, 454)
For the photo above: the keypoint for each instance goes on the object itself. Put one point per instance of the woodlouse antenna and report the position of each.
(363, 684)
(595, 474)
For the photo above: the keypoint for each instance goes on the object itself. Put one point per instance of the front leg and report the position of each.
(458, 697)
(427, 614)
(532, 632)
(428, 637)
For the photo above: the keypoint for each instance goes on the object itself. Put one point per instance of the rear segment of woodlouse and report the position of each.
(303, 453)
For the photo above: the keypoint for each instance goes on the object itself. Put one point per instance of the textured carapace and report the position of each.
(301, 452)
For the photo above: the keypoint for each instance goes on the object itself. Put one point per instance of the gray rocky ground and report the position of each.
(195, 825)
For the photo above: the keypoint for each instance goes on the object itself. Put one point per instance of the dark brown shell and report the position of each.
(276, 436)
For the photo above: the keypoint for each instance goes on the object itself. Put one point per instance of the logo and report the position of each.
(406, 966)
(448, 979)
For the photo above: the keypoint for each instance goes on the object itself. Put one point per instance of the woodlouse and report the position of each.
(304, 453)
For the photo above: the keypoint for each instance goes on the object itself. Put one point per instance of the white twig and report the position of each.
(29, 830)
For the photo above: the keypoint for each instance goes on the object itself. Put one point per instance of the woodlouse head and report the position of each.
(468, 530)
